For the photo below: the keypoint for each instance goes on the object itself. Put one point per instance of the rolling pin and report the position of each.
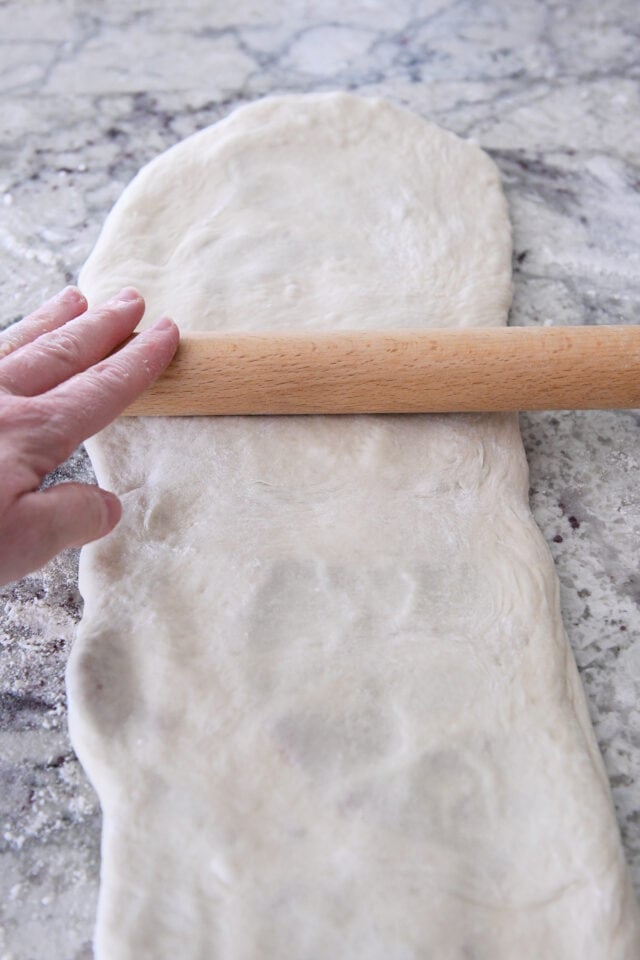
(399, 371)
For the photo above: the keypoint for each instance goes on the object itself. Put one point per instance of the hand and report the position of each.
(56, 389)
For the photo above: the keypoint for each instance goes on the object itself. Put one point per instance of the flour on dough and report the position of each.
(321, 684)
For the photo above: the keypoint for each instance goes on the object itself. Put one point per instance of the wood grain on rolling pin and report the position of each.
(399, 371)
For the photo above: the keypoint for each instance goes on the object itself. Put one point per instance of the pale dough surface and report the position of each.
(321, 684)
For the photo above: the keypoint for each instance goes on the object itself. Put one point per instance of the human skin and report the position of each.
(61, 382)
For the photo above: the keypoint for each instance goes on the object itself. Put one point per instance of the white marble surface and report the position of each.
(90, 91)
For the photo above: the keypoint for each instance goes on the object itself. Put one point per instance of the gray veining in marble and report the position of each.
(551, 89)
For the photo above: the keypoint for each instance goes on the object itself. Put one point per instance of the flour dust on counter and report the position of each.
(322, 684)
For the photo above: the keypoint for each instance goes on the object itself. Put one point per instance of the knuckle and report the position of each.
(64, 349)
(43, 434)
(11, 411)
(117, 372)
(20, 418)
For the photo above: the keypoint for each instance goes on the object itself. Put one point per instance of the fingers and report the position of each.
(44, 523)
(83, 405)
(63, 352)
(66, 305)
(61, 391)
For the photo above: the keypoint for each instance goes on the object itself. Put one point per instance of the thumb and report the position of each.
(44, 523)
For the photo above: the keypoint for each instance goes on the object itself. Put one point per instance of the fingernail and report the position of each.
(70, 293)
(114, 508)
(127, 295)
(166, 323)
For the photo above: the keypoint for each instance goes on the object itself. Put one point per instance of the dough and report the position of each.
(321, 684)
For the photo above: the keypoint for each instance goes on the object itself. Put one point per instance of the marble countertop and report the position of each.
(551, 89)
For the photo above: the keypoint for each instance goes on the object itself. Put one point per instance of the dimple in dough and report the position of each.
(321, 684)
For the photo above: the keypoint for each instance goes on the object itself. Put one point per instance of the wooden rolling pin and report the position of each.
(399, 371)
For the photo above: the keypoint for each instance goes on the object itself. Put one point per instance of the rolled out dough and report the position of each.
(321, 683)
